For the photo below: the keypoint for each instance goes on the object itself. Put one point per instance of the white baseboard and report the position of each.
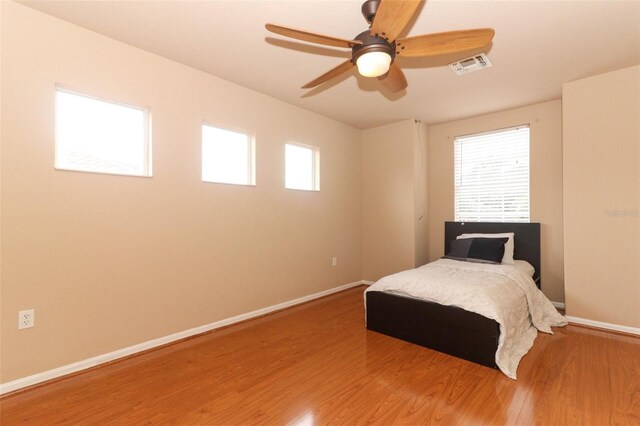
(558, 305)
(368, 282)
(120, 353)
(604, 325)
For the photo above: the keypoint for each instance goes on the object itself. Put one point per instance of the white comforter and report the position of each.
(504, 293)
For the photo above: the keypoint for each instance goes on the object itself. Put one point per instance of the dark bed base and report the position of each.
(447, 329)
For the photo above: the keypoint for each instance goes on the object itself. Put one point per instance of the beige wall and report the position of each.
(545, 120)
(1, 45)
(112, 261)
(393, 234)
(420, 193)
(602, 197)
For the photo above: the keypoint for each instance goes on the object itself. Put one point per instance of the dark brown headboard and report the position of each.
(527, 238)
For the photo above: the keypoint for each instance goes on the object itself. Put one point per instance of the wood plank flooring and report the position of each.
(315, 364)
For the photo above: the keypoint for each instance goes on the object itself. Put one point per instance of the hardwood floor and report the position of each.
(315, 364)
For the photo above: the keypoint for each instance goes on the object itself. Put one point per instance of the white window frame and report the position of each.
(315, 167)
(488, 215)
(251, 160)
(147, 169)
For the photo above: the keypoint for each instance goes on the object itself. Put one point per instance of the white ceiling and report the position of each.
(538, 46)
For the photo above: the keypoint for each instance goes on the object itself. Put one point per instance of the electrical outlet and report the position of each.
(26, 319)
(334, 261)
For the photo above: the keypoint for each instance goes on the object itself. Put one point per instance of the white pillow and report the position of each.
(507, 258)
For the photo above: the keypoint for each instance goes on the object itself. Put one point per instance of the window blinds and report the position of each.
(492, 176)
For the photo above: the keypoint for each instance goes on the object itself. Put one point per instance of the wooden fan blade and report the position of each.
(444, 43)
(311, 37)
(392, 17)
(343, 67)
(394, 80)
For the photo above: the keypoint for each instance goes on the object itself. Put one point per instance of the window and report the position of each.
(302, 167)
(93, 135)
(492, 176)
(227, 157)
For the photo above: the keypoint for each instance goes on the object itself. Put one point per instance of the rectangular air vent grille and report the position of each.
(471, 64)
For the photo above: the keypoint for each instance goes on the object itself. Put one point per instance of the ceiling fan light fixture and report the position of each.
(373, 64)
(373, 51)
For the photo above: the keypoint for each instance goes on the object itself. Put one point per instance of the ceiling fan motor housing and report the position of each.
(371, 43)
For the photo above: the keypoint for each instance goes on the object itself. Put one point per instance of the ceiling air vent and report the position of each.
(474, 63)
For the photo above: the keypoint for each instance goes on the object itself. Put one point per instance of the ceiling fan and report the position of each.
(374, 50)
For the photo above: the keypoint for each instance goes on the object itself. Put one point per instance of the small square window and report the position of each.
(227, 157)
(94, 135)
(302, 167)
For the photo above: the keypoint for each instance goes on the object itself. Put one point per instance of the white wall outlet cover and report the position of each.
(26, 319)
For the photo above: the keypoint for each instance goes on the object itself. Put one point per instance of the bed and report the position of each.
(450, 329)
